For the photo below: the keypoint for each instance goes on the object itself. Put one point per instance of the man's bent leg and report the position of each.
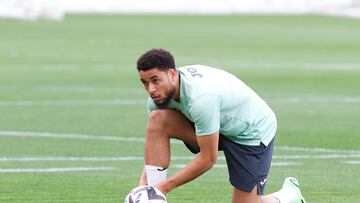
(269, 199)
(240, 196)
(290, 192)
(162, 125)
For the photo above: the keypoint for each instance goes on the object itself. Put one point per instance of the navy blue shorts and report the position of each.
(247, 165)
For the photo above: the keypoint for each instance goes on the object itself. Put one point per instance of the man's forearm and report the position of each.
(194, 169)
(143, 179)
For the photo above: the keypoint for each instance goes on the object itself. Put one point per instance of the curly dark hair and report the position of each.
(156, 58)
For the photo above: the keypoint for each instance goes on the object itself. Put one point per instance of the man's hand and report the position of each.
(202, 163)
(162, 187)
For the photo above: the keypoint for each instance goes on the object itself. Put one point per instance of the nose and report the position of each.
(151, 88)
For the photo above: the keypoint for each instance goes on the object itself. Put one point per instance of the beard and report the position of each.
(168, 95)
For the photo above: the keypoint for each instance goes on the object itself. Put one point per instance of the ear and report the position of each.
(172, 73)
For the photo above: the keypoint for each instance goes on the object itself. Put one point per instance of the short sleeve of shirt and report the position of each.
(150, 105)
(205, 113)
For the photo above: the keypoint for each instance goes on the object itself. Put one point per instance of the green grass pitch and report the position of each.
(73, 109)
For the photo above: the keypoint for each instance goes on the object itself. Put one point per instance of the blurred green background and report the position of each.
(78, 77)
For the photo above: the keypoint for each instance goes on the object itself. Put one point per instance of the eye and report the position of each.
(155, 81)
(146, 84)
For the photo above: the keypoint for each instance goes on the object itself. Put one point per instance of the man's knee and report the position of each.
(158, 116)
(158, 120)
(171, 123)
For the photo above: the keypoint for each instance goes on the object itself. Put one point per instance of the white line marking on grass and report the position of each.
(288, 65)
(234, 63)
(77, 89)
(53, 170)
(140, 158)
(34, 159)
(69, 136)
(133, 139)
(225, 166)
(90, 159)
(42, 67)
(285, 163)
(351, 162)
(76, 136)
(58, 67)
(122, 102)
(316, 99)
(308, 149)
(94, 102)
(183, 166)
(327, 156)
(89, 89)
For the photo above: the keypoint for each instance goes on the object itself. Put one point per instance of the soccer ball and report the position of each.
(145, 194)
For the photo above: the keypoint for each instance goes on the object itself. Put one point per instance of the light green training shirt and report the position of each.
(217, 101)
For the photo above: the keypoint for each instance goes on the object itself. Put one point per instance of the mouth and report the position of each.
(154, 98)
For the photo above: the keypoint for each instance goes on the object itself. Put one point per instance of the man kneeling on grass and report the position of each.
(209, 110)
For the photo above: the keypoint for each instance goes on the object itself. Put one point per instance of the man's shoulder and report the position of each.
(194, 66)
(197, 82)
(204, 72)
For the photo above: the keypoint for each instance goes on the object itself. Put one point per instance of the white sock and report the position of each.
(285, 195)
(155, 174)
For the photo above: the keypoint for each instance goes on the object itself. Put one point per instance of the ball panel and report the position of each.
(145, 194)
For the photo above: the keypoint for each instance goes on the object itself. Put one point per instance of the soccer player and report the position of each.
(209, 110)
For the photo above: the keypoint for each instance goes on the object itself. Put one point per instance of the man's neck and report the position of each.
(177, 89)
